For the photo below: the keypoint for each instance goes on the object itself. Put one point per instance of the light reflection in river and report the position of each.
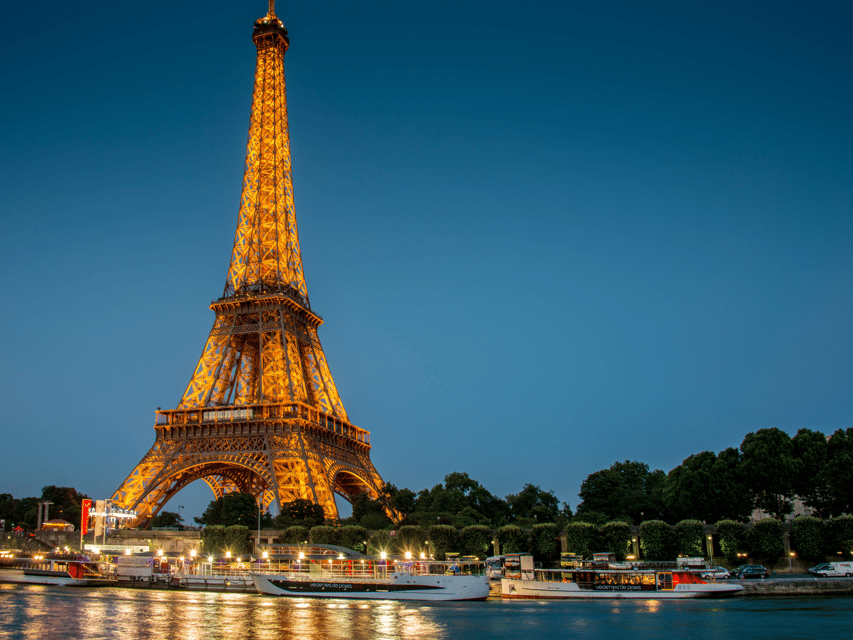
(38, 613)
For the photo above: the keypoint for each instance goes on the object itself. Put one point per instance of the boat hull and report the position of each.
(52, 578)
(396, 587)
(533, 589)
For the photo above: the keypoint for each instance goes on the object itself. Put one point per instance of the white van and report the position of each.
(836, 569)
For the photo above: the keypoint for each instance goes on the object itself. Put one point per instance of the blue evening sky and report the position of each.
(544, 236)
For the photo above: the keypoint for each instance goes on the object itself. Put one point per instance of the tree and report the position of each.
(237, 539)
(809, 538)
(769, 467)
(765, 541)
(67, 503)
(168, 519)
(213, 539)
(732, 536)
(231, 509)
(839, 471)
(582, 539)
(707, 487)
(626, 489)
(544, 541)
(351, 537)
(532, 505)
(690, 538)
(615, 537)
(296, 534)
(841, 535)
(323, 535)
(512, 539)
(369, 513)
(300, 512)
(444, 538)
(810, 482)
(657, 540)
(476, 540)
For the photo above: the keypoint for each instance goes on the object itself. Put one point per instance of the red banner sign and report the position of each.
(84, 517)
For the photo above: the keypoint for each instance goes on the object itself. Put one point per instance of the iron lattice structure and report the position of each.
(261, 414)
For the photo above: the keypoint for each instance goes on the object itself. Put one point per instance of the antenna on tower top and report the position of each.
(271, 13)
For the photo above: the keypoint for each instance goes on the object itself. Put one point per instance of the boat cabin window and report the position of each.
(665, 581)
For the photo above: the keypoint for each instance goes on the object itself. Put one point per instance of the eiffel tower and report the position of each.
(261, 414)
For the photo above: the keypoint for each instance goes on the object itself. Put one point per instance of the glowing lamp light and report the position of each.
(266, 555)
(423, 555)
(210, 559)
(383, 555)
(192, 553)
(127, 552)
(301, 556)
(227, 554)
(408, 555)
(160, 552)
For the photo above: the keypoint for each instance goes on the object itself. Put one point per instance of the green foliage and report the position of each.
(237, 540)
(477, 540)
(352, 537)
(769, 467)
(322, 535)
(690, 538)
(544, 541)
(625, 490)
(380, 541)
(532, 505)
(731, 535)
(839, 473)
(615, 537)
(765, 541)
(513, 539)
(809, 538)
(300, 512)
(708, 487)
(369, 513)
(444, 538)
(213, 540)
(231, 509)
(167, 519)
(410, 538)
(582, 539)
(841, 535)
(657, 540)
(67, 503)
(296, 534)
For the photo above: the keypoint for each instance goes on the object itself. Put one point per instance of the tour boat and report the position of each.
(528, 582)
(430, 581)
(49, 571)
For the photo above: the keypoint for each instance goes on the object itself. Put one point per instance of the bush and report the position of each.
(732, 536)
(380, 541)
(841, 535)
(765, 541)
(512, 539)
(352, 537)
(213, 540)
(410, 537)
(543, 540)
(615, 537)
(444, 538)
(809, 538)
(476, 540)
(690, 538)
(582, 539)
(237, 540)
(657, 540)
(294, 535)
(323, 535)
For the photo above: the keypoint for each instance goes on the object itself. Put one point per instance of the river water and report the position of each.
(38, 613)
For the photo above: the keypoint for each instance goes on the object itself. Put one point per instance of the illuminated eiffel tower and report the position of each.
(261, 414)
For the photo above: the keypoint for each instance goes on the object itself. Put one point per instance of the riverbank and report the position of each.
(800, 586)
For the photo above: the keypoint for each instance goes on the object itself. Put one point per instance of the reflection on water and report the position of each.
(36, 612)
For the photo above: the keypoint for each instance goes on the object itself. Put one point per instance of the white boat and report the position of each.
(652, 584)
(48, 571)
(429, 581)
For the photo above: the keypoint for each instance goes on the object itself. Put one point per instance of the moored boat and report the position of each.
(528, 582)
(52, 571)
(425, 580)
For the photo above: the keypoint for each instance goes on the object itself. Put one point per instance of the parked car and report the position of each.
(819, 567)
(836, 569)
(752, 571)
(716, 573)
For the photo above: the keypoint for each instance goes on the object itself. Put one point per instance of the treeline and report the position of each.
(23, 512)
(768, 472)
